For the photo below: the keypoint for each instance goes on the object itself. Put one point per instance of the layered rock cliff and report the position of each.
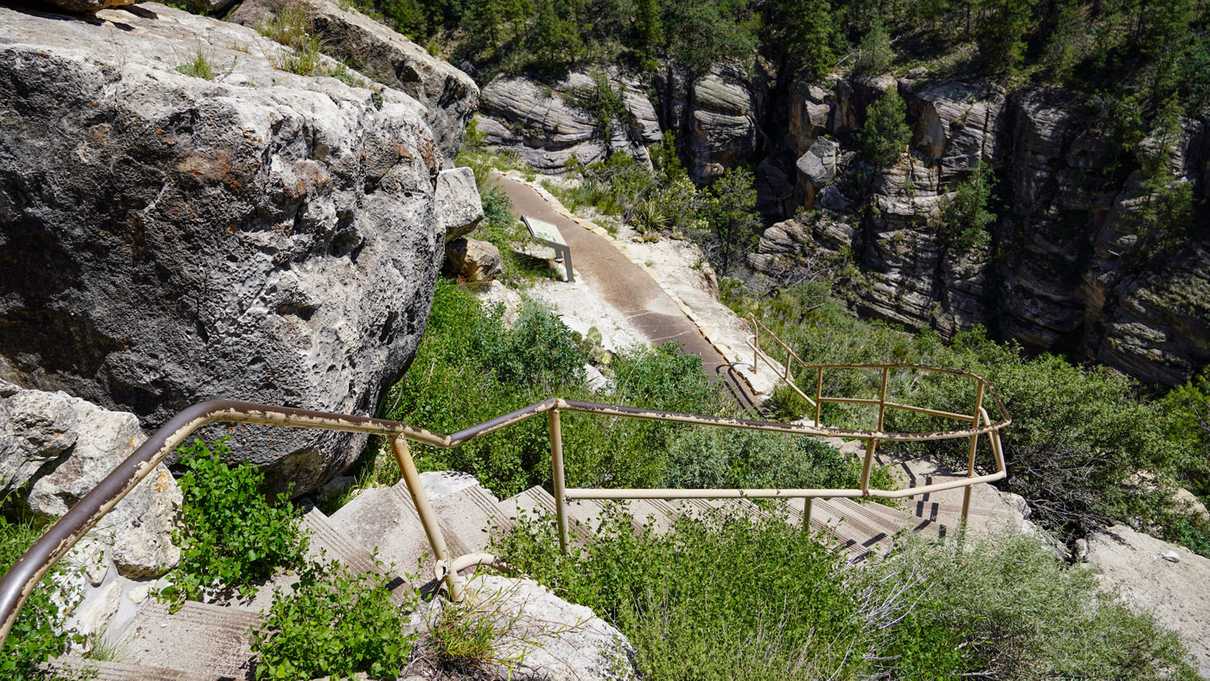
(1065, 268)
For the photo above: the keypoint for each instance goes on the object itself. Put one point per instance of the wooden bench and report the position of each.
(548, 234)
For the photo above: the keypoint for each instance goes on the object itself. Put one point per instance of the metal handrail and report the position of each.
(27, 572)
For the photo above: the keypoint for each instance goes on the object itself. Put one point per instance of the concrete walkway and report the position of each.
(627, 287)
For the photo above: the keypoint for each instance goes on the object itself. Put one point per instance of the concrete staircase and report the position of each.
(211, 641)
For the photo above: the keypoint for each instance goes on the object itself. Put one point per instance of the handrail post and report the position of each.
(806, 514)
(872, 443)
(556, 469)
(428, 518)
(970, 457)
(818, 396)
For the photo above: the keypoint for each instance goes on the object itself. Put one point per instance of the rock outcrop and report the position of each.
(378, 52)
(54, 449)
(548, 126)
(167, 239)
(540, 636)
(459, 206)
(1165, 580)
(714, 117)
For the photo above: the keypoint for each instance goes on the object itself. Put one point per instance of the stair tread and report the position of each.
(198, 636)
(383, 520)
(468, 517)
(97, 670)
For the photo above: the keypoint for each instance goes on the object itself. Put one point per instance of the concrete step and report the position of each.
(326, 544)
(198, 639)
(470, 516)
(80, 668)
(383, 519)
(536, 502)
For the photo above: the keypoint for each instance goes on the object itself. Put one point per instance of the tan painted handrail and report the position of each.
(23, 577)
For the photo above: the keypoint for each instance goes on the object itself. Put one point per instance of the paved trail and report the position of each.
(627, 287)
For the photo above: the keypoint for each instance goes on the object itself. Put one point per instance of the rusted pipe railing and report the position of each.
(27, 572)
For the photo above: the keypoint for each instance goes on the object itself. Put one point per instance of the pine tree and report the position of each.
(874, 54)
(886, 133)
(648, 28)
(1001, 34)
(801, 34)
(732, 216)
(553, 41)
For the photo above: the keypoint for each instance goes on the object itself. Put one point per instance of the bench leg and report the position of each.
(567, 264)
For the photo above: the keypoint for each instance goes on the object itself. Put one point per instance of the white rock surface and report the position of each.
(1140, 568)
(542, 635)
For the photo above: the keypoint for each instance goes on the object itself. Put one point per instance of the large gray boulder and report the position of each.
(378, 52)
(167, 239)
(548, 126)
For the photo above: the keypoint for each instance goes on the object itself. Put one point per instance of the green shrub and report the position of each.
(724, 457)
(333, 623)
(1014, 611)
(233, 538)
(470, 368)
(783, 607)
(761, 591)
(37, 635)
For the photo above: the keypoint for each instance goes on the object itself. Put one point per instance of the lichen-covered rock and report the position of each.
(449, 96)
(541, 636)
(167, 239)
(59, 448)
(547, 126)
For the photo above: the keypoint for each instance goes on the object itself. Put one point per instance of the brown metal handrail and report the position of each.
(23, 577)
(981, 385)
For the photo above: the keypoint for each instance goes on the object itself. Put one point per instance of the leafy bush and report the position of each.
(333, 623)
(1008, 609)
(723, 457)
(232, 536)
(782, 606)
(732, 217)
(37, 635)
(760, 590)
